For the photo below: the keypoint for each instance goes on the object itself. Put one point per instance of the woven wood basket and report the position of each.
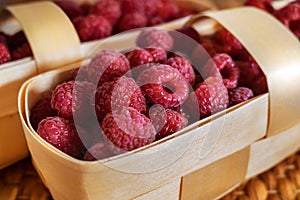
(28, 16)
(254, 135)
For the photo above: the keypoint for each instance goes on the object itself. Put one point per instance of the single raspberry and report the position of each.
(123, 92)
(133, 6)
(61, 134)
(70, 98)
(4, 54)
(211, 96)
(42, 110)
(184, 67)
(128, 129)
(239, 95)
(138, 57)
(260, 86)
(155, 38)
(98, 151)
(109, 9)
(262, 4)
(164, 85)
(224, 65)
(93, 27)
(130, 21)
(107, 66)
(70, 7)
(166, 122)
(151, 8)
(159, 55)
(167, 10)
(230, 44)
(289, 13)
(21, 52)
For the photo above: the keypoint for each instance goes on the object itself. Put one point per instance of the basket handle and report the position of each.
(52, 37)
(277, 52)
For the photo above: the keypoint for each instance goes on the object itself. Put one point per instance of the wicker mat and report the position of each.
(21, 182)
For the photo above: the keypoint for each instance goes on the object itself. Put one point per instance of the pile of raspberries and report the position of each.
(100, 20)
(147, 93)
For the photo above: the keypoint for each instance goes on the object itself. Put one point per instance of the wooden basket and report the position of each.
(251, 137)
(48, 55)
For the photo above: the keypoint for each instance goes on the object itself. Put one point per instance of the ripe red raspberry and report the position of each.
(42, 110)
(138, 57)
(70, 7)
(230, 44)
(151, 8)
(92, 27)
(128, 129)
(21, 52)
(184, 10)
(222, 64)
(164, 85)
(211, 96)
(130, 21)
(155, 38)
(107, 66)
(184, 67)
(4, 54)
(61, 134)
(109, 9)
(166, 122)
(98, 151)
(289, 13)
(159, 55)
(167, 10)
(133, 6)
(262, 4)
(239, 95)
(249, 71)
(123, 92)
(71, 97)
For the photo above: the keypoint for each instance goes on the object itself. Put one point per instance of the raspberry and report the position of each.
(42, 110)
(98, 151)
(109, 9)
(93, 27)
(222, 63)
(239, 95)
(123, 92)
(138, 57)
(71, 97)
(70, 7)
(289, 13)
(166, 122)
(130, 21)
(184, 67)
(4, 54)
(61, 134)
(295, 28)
(21, 52)
(167, 10)
(230, 44)
(151, 8)
(133, 6)
(211, 96)
(184, 10)
(107, 66)
(164, 85)
(159, 55)
(155, 38)
(128, 129)
(262, 4)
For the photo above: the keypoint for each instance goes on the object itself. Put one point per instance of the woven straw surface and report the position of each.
(282, 182)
